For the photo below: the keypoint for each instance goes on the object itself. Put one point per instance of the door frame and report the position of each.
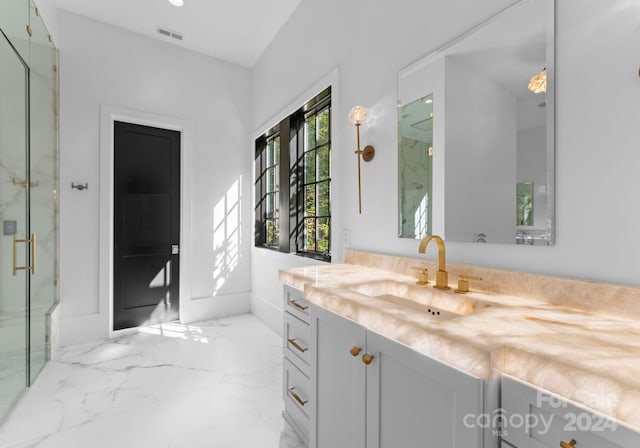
(108, 115)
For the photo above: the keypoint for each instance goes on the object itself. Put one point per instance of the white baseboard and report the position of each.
(95, 327)
(80, 329)
(53, 329)
(214, 307)
(268, 313)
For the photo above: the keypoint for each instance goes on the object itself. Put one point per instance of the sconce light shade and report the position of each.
(538, 84)
(358, 115)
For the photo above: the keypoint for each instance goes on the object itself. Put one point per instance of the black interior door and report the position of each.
(146, 225)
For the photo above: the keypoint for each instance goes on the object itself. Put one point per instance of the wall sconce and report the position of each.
(358, 115)
(538, 83)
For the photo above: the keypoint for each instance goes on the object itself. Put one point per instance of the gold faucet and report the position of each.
(442, 278)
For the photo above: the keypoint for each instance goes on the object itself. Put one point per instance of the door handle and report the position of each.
(31, 241)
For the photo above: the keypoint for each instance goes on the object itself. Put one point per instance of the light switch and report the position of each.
(9, 227)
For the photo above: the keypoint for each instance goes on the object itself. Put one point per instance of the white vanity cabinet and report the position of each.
(297, 350)
(534, 418)
(400, 399)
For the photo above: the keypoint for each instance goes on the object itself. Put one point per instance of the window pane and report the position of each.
(310, 133)
(323, 127)
(276, 150)
(263, 184)
(323, 235)
(324, 163)
(270, 207)
(310, 167)
(271, 180)
(273, 233)
(323, 199)
(310, 234)
(276, 178)
(310, 200)
(269, 152)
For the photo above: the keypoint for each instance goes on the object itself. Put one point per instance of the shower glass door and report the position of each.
(14, 217)
(43, 191)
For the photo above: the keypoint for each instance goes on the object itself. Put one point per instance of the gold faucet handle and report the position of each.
(463, 282)
(423, 276)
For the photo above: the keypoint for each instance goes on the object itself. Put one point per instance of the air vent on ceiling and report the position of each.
(169, 33)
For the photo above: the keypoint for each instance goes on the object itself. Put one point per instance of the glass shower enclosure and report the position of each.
(28, 197)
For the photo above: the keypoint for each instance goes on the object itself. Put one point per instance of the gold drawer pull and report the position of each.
(367, 359)
(568, 445)
(355, 350)
(292, 392)
(293, 342)
(297, 305)
(31, 241)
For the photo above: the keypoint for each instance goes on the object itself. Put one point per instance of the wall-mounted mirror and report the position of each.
(476, 133)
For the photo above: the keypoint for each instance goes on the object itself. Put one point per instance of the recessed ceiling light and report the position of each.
(177, 2)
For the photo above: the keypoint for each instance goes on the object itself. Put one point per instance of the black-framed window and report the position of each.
(267, 188)
(298, 152)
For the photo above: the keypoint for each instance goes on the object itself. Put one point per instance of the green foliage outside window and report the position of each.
(317, 168)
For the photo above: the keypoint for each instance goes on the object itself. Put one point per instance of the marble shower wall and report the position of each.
(44, 171)
(13, 147)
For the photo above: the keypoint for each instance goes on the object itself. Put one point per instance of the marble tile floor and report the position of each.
(214, 384)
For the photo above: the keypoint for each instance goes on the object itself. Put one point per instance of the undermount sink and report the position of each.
(441, 304)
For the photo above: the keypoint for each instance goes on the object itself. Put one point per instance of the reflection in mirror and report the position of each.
(415, 152)
(492, 170)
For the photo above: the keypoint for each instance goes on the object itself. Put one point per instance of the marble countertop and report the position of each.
(590, 358)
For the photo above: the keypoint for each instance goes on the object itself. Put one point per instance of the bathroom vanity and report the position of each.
(374, 360)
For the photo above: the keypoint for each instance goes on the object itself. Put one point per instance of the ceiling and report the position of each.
(237, 31)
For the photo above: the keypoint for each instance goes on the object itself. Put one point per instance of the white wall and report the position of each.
(100, 64)
(598, 108)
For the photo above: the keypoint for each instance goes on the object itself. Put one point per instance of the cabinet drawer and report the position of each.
(297, 396)
(538, 419)
(297, 342)
(295, 304)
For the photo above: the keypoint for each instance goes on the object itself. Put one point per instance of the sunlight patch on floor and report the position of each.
(176, 330)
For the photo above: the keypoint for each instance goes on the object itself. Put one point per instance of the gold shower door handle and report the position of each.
(33, 243)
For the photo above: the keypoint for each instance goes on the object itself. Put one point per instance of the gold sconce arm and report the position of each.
(357, 116)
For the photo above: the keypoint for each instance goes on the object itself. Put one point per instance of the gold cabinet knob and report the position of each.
(367, 359)
(355, 351)
(568, 445)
